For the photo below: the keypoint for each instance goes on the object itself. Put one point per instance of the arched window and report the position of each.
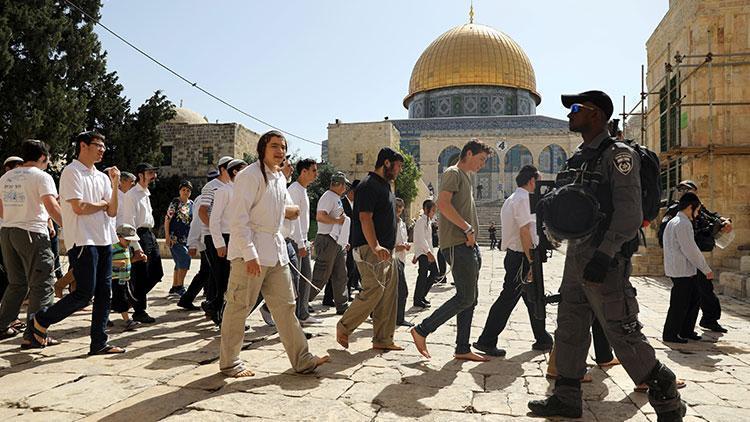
(448, 157)
(515, 158)
(492, 165)
(552, 159)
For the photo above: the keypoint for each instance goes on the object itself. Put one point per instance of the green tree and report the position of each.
(406, 182)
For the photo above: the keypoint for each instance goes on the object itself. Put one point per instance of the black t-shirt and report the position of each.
(374, 195)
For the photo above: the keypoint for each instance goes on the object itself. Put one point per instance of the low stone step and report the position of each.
(734, 283)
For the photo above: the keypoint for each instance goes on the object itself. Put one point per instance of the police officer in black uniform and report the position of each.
(595, 280)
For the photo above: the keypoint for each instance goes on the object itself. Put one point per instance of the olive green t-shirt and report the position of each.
(457, 182)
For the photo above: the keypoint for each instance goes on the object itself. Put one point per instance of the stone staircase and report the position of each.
(488, 211)
(734, 274)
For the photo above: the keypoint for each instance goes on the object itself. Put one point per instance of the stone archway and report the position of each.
(552, 159)
(515, 158)
(448, 157)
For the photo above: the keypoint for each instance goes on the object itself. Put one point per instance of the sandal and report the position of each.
(36, 334)
(9, 333)
(18, 325)
(108, 350)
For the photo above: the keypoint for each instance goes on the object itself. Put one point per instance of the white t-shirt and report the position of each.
(89, 185)
(516, 213)
(330, 202)
(401, 238)
(22, 190)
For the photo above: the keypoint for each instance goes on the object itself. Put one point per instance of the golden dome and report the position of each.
(472, 54)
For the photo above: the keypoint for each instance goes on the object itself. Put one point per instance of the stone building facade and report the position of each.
(706, 143)
(191, 145)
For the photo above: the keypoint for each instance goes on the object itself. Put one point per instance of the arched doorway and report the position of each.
(487, 182)
(448, 157)
(515, 158)
(552, 159)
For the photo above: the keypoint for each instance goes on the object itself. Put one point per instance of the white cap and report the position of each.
(12, 159)
(223, 160)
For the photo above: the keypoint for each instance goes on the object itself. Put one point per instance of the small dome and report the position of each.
(185, 115)
(471, 55)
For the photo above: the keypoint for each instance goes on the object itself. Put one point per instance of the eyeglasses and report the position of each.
(98, 145)
(575, 108)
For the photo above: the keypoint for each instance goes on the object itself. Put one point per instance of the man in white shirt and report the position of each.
(9, 164)
(218, 224)
(423, 254)
(518, 239)
(402, 246)
(27, 200)
(330, 261)
(195, 247)
(89, 202)
(307, 170)
(139, 214)
(682, 260)
(259, 261)
(210, 305)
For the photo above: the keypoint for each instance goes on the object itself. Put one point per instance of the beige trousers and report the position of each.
(378, 296)
(276, 285)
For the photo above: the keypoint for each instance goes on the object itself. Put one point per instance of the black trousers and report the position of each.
(425, 279)
(145, 274)
(403, 293)
(219, 274)
(684, 297)
(3, 277)
(199, 281)
(442, 268)
(352, 273)
(493, 241)
(602, 348)
(122, 296)
(516, 269)
(707, 301)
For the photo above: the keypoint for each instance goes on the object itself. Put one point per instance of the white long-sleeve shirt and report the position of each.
(682, 258)
(402, 236)
(138, 211)
(422, 236)
(195, 234)
(256, 216)
(218, 218)
(300, 198)
(291, 228)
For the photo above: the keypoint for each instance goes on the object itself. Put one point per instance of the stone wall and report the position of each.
(350, 142)
(197, 147)
(696, 27)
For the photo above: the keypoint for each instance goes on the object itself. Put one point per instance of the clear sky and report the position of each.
(301, 64)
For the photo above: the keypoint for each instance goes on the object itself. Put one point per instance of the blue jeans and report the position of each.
(465, 263)
(92, 268)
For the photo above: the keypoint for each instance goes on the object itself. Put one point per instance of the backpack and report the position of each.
(650, 174)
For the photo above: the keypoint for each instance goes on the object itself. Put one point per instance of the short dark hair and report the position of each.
(32, 150)
(186, 184)
(688, 199)
(475, 146)
(305, 164)
(390, 154)
(87, 137)
(526, 173)
(428, 204)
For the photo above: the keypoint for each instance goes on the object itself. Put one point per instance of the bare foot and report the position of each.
(321, 360)
(341, 338)
(471, 357)
(421, 342)
(391, 346)
(244, 373)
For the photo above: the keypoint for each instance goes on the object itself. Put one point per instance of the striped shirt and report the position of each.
(120, 263)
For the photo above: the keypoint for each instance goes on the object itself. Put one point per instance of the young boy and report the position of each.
(402, 246)
(121, 295)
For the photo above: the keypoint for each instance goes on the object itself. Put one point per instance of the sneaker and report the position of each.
(144, 318)
(713, 326)
(552, 406)
(172, 292)
(489, 350)
(181, 291)
(309, 321)
(542, 347)
(187, 306)
(266, 314)
(131, 325)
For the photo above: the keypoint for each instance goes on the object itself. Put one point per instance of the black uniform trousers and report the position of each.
(516, 269)
(145, 274)
(683, 306)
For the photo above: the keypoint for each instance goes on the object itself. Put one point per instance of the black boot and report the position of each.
(552, 406)
(663, 394)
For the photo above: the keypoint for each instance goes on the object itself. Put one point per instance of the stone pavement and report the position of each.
(170, 370)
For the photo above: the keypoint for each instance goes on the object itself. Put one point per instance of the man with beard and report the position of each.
(373, 239)
(139, 214)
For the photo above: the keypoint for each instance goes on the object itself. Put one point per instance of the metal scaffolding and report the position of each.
(670, 84)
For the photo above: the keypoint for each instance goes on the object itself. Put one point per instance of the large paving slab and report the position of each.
(170, 371)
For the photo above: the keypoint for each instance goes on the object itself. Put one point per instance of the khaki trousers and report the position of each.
(378, 296)
(242, 292)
